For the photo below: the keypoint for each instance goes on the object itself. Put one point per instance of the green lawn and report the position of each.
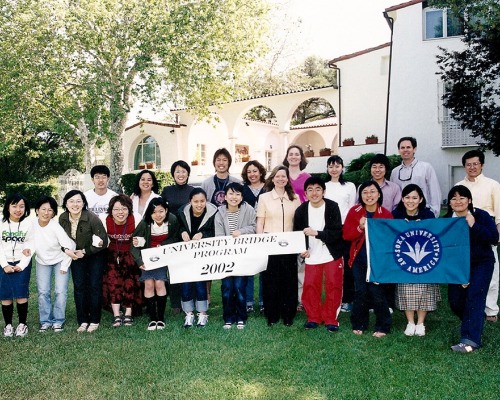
(256, 363)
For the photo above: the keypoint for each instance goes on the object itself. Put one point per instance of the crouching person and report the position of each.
(320, 220)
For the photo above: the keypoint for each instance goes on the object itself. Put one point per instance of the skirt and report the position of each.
(158, 274)
(15, 285)
(417, 296)
(120, 282)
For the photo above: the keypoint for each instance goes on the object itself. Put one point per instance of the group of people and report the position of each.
(100, 236)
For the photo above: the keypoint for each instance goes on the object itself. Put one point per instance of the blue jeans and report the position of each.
(233, 299)
(56, 314)
(250, 289)
(468, 303)
(362, 291)
(187, 303)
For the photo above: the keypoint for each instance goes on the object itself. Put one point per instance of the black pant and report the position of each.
(279, 288)
(87, 281)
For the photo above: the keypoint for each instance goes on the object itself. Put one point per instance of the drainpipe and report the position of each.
(339, 87)
(390, 22)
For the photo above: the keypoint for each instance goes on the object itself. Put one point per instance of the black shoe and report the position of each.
(332, 328)
(249, 309)
(310, 325)
(288, 322)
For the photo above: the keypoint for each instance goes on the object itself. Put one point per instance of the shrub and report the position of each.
(358, 170)
(32, 191)
(128, 181)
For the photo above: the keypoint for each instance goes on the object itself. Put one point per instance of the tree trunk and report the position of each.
(88, 144)
(116, 144)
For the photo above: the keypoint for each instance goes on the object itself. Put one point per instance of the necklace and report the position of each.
(119, 239)
(14, 240)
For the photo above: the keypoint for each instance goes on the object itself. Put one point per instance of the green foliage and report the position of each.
(128, 181)
(32, 191)
(471, 75)
(358, 170)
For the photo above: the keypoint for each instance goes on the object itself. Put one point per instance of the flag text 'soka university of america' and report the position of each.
(427, 251)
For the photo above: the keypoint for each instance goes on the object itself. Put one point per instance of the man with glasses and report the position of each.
(418, 172)
(485, 195)
(99, 197)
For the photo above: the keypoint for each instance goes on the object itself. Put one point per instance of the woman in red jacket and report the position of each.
(370, 206)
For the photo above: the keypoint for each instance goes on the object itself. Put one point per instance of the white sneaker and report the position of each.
(58, 328)
(160, 325)
(152, 326)
(410, 329)
(8, 331)
(188, 322)
(202, 320)
(420, 330)
(227, 325)
(44, 328)
(92, 328)
(22, 330)
(82, 328)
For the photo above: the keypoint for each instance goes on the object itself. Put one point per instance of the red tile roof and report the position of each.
(358, 53)
(169, 124)
(403, 5)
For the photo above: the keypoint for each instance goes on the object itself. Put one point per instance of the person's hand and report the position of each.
(63, 272)
(470, 219)
(17, 268)
(362, 223)
(305, 254)
(185, 237)
(236, 233)
(142, 267)
(135, 241)
(198, 236)
(27, 252)
(466, 285)
(310, 232)
(9, 269)
(79, 254)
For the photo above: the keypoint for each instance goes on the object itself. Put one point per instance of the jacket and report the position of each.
(331, 235)
(207, 224)
(352, 231)
(246, 220)
(88, 225)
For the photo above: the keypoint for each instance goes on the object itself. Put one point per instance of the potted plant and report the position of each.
(325, 152)
(194, 162)
(150, 165)
(309, 152)
(348, 141)
(245, 158)
(372, 139)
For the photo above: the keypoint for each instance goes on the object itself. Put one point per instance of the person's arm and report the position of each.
(332, 232)
(219, 225)
(434, 200)
(248, 224)
(140, 231)
(353, 225)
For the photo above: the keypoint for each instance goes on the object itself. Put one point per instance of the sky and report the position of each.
(332, 28)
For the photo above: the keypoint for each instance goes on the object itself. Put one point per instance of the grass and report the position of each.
(256, 363)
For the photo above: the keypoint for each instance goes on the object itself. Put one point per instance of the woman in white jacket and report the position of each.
(54, 252)
(234, 218)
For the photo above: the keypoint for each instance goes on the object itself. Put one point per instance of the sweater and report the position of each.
(49, 244)
(207, 224)
(246, 220)
(16, 236)
(176, 196)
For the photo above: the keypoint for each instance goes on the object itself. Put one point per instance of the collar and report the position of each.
(412, 164)
(478, 178)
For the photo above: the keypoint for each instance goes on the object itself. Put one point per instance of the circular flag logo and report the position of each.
(417, 251)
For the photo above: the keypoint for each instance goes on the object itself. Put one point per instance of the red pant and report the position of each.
(313, 287)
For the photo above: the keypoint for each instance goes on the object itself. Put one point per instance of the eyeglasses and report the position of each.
(119, 209)
(472, 164)
(405, 176)
(367, 192)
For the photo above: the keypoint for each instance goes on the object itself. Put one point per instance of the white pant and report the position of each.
(491, 308)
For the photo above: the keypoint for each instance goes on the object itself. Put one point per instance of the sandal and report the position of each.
(92, 327)
(117, 321)
(357, 332)
(492, 318)
(379, 334)
(128, 320)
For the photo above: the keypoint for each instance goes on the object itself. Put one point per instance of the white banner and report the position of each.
(221, 256)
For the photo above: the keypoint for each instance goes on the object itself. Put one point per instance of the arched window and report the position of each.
(147, 154)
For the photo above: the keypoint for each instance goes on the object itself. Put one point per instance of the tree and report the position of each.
(86, 62)
(472, 74)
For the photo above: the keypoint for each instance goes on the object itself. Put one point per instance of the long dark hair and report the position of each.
(288, 187)
(461, 190)
(407, 190)
(303, 159)
(14, 199)
(137, 189)
(336, 160)
(157, 201)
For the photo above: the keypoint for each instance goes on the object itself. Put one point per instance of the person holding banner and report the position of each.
(415, 297)
(370, 206)
(468, 301)
(254, 177)
(235, 218)
(197, 221)
(275, 214)
(158, 228)
(120, 283)
(321, 223)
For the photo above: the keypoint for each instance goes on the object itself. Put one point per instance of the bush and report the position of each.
(128, 181)
(358, 170)
(32, 191)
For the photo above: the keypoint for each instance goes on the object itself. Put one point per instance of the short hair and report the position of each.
(336, 160)
(223, 152)
(461, 190)
(256, 164)
(303, 159)
(124, 200)
(46, 199)
(15, 198)
(72, 193)
(406, 191)
(380, 159)
(314, 180)
(100, 169)
(137, 189)
(366, 184)
(157, 201)
(182, 164)
(409, 138)
(195, 191)
(234, 186)
(471, 154)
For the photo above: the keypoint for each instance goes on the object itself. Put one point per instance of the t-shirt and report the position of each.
(99, 204)
(319, 253)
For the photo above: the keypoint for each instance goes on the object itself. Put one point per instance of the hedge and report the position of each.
(128, 181)
(32, 191)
